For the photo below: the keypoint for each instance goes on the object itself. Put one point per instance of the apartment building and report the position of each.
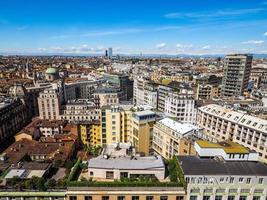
(181, 105)
(222, 123)
(209, 179)
(258, 76)
(79, 110)
(208, 91)
(14, 114)
(90, 133)
(142, 123)
(107, 96)
(116, 122)
(123, 81)
(237, 69)
(145, 92)
(174, 138)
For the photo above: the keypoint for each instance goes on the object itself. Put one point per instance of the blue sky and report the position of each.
(133, 26)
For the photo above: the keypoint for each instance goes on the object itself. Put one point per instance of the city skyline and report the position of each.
(151, 27)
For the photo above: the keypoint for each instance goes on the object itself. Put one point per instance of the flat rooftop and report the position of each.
(127, 163)
(192, 165)
(177, 126)
(228, 147)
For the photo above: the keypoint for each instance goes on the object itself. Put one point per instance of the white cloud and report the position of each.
(265, 34)
(206, 47)
(183, 46)
(161, 45)
(214, 14)
(258, 42)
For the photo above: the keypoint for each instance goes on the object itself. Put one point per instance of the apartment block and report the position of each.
(143, 122)
(90, 133)
(172, 138)
(116, 123)
(237, 69)
(209, 179)
(145, 92)
(222, 123)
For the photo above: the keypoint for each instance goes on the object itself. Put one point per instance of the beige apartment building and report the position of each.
(208, 91)
(143, 122)
(172, 138)
(222, 123)
(117, 124)
(49, 104)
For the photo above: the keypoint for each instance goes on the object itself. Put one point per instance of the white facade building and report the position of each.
(223, 123)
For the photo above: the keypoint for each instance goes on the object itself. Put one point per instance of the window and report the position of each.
(193, 197)
(121, 198)
(124, 174)
(135, 197)
(241, 180)
(242, 198)
(218, 197)
(206, 197)
(256, 198)
(231, 198)
(163, 198)
(109, 174)
(221, 180)
(149, 197)
(91, 173)
(88, 198)
(105, 197)
(73, 197)
(248, 180)
(179, 198)
(260, 180)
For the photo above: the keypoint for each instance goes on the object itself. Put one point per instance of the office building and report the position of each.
(237, 69)
(110, 53)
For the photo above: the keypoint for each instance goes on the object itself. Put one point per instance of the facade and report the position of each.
(49, 104)
(145, 93)
(107, 97)
(118, 124)
(209, 179)
(100, 193)
(172, 138)
(180, 106)
(237, 69)
(208, 91)
(90, 133)
(80, 110)
(123, 82)
(258, 76)
(222, 123)
(142, 134)
(14, 115)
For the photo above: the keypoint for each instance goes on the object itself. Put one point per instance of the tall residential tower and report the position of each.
(236, 74)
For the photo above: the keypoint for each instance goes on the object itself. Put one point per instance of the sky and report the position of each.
(133, 26)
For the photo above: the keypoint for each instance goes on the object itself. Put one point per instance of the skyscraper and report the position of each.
(110, 52)
(236, 74)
